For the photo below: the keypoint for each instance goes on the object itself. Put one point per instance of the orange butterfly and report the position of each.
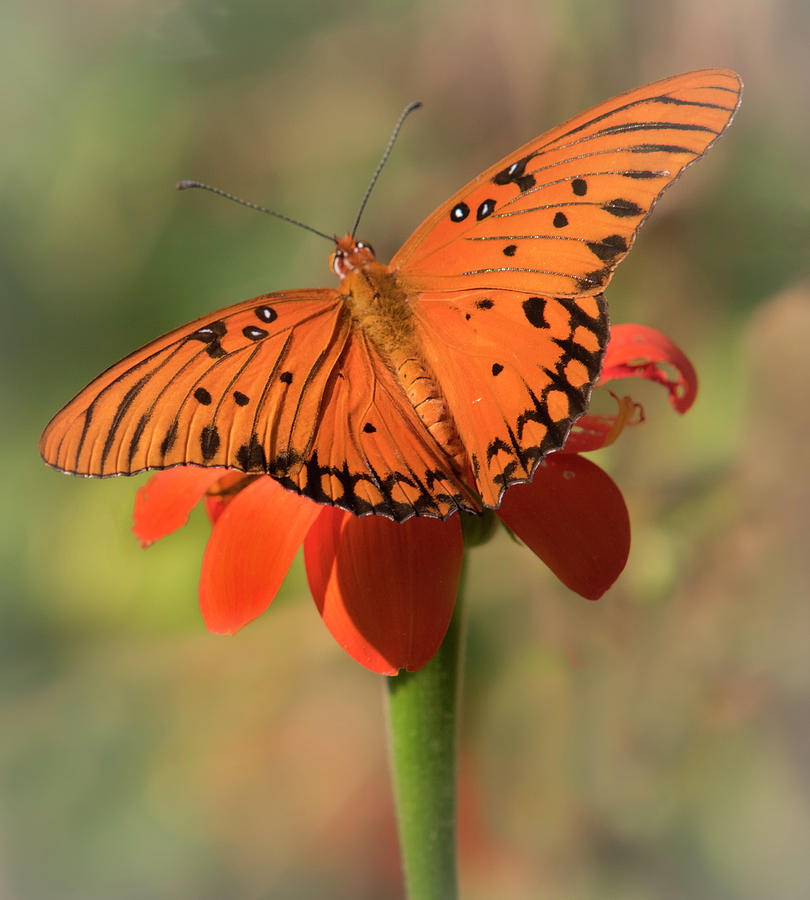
(433, 383)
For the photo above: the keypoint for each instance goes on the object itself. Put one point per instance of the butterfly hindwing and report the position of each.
(371, 453)
(556, 216)
(517, 371)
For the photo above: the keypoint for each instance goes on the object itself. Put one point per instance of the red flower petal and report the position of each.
(249, 551)
(216, 501)
(638, 351)
(592, 432)
(574, 518)
(385, 591)
(162, 505)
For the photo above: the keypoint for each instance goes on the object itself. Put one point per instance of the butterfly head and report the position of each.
(350, 254)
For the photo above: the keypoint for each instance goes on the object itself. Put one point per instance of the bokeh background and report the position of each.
(653, 745)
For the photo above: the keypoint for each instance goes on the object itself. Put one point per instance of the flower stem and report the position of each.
(422, 708)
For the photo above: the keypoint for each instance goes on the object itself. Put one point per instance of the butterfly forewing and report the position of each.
(556, 216)
(240, 388)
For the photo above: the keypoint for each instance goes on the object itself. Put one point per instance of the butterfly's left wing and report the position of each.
(557, 216)
(516, 370)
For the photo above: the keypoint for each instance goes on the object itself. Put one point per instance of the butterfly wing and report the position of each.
(506, 277)
(555, 217)
(517, 372)
(220, 391)
(372, 453)
(280, 385)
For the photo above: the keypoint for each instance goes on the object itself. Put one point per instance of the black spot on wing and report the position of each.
(201, 395)
(251, 457)
(254, 333)
(641, 174)
(240, 398)
(459, 212)
(516, 174)
(497, 368)
(486, 303)
(510, 250)
(209, 441)
(534, 310)
(211, 335)
(579, 186)
(595, 279)
(266, 313)
(609, 247)
(285, 378)
(485, 209)
(621, 208)
(560, 220)
(284, 462)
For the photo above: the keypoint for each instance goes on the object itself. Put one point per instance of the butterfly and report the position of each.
(434, 383)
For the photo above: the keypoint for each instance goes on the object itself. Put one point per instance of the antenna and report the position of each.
(187, 183)
(404, 115)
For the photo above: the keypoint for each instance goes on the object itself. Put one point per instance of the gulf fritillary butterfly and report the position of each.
(431, 384)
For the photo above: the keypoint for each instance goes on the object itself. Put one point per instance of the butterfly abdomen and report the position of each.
(423, 392)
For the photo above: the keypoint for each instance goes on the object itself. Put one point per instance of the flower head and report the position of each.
(386, 591)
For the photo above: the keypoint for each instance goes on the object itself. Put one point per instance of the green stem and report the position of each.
(422, 709)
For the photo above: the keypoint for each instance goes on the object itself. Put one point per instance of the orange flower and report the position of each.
(386, 591)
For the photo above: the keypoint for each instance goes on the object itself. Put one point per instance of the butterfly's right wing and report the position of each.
(280, 385)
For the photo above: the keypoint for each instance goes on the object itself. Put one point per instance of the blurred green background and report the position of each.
(653, 745)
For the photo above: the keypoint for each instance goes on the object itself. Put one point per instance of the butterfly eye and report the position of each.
(363, 245)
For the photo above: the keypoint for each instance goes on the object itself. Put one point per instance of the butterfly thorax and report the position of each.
(380, 309)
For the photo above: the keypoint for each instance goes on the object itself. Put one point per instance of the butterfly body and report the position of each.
(381, 311)
(432, 384)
